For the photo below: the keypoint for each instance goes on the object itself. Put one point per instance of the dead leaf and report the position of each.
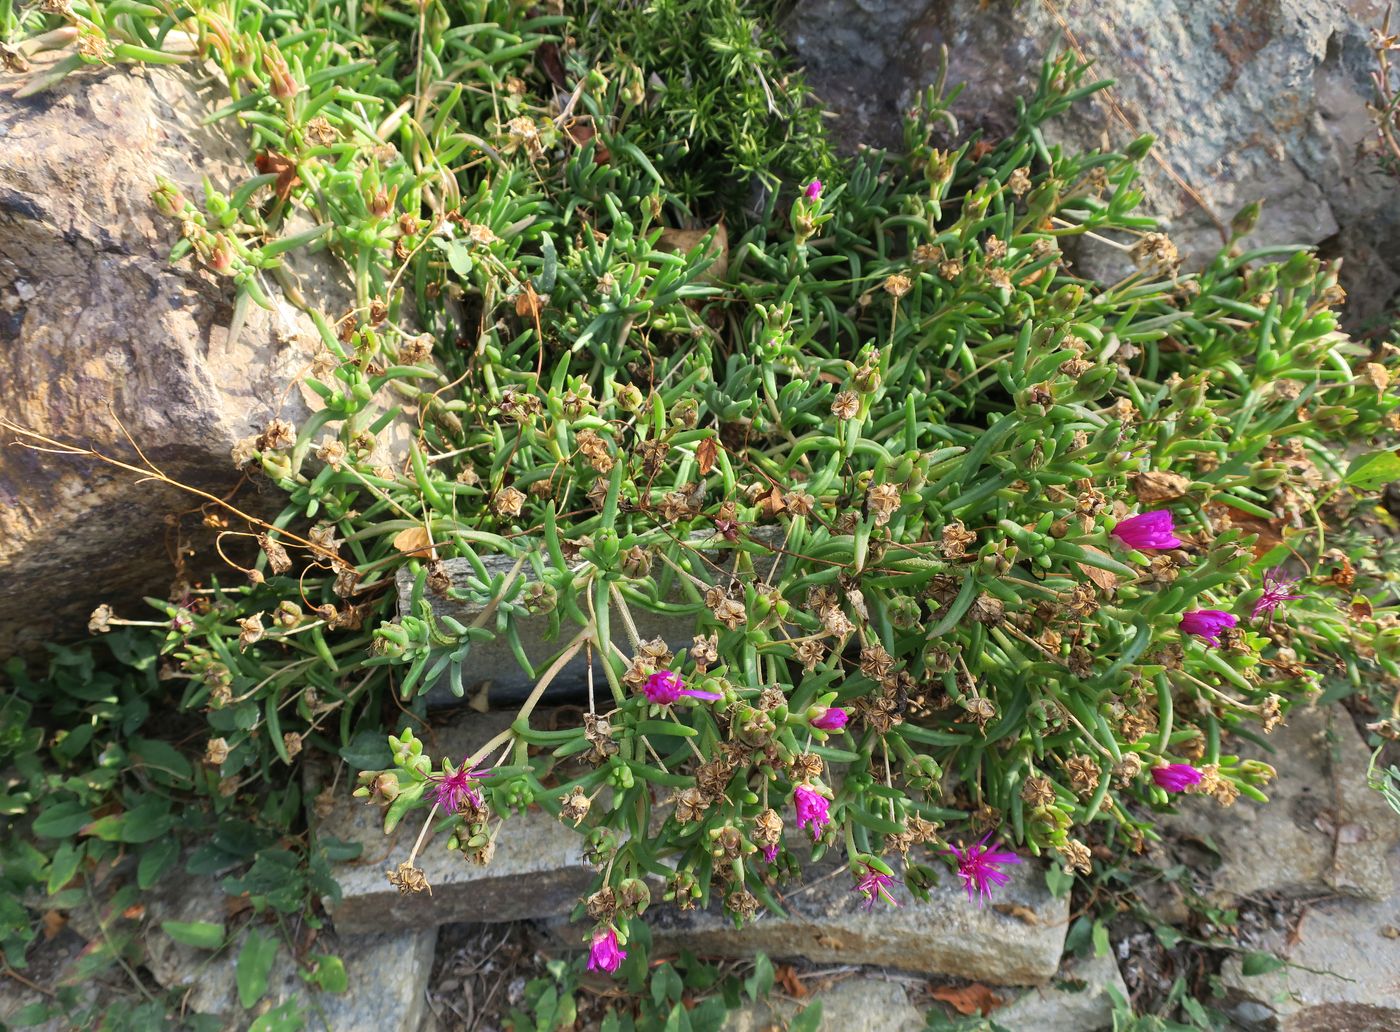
(1345, 576)
(1269, 531)
(1023, 914)
(283, 167)
(550, 63)
(1105, 579)
(683, 241)
(1361, 608)
(705, 454)
(53, 923)
(968, 999)
(1153, 486)
(135, 912)
(580, 130)
(414, 541)
(786, 976)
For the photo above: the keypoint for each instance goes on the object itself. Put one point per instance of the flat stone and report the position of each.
(492, 675)
(538, 868)
(387, 971)
(1324, 830)
(1343, 973)
(827, 922)
(861, 1004)
(1075, 1000)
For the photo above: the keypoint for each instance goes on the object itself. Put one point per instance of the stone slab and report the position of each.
(1324, 830)
(860, 1004)
(538, 869)
(828, 923)
(1343, 972)
(492, 676)
(1075, 1000)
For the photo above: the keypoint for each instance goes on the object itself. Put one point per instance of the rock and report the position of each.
(99, 332)
(1323, 831)
(387, 972)
(492, 676)
(537, 870)
(1256, 100)
(827, 922)
(1075, 1000)
(1343, 972)
(860, 1004)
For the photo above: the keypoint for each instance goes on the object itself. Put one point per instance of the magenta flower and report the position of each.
(1275, 594)
(1148, 530)
(811, 810)
(814, 190)
(1207, 623)
(980, 867)
(1176, 777)
(876, 886)
(605, 954)
(665, 687)
(833, 719)
(455, 787)
(770, 853)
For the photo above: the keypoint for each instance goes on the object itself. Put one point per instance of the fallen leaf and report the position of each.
(414, 541)
(580, 130)
(1105, 579)
(1269, 531)
(683, 241)
(1361, 608)
(786, 976)
(550, 63)
(53, 923)
(968, 999)
(283, 167)
(705, 454)
(1345, 576)
(1023, 914)
(134, 912)
(1154, 486)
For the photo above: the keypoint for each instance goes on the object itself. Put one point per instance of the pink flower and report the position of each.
(876, 886)
(814, 190)
(811, 810)
(1176, 777)
(455, 787)
(770, 853)
(980, 867)
(1207, 623)
(1275, 594)
(665, 687)
(1148, 530)
(605, 954)
(833, 719)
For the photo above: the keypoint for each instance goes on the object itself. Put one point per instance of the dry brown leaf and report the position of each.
(1361, 608)
(53, 923)
(1104, 579)
(968, 999)
(1269, 531)
(683, 241)
(414, 541)
(1345, 575)
(1152, 487)
(1023, 914)
(786, 976)
(705, 455)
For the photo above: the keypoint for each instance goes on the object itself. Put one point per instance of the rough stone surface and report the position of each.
(828, 923)
(387, 971)
(1343, 973)
(1075, 1000)
(860, 1004)
(97, 327)
(537, 871)
(492, 676)
(1249, 99)
(1323, 830)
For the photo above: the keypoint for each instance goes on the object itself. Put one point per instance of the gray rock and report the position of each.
(492, 676)
(1343, 973)
(860, 1004)
(1018, 941)
(98, 331)
(1324, 829)
(1075, 1000)
(387, 971)
(538, 868)
(1249, 101)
